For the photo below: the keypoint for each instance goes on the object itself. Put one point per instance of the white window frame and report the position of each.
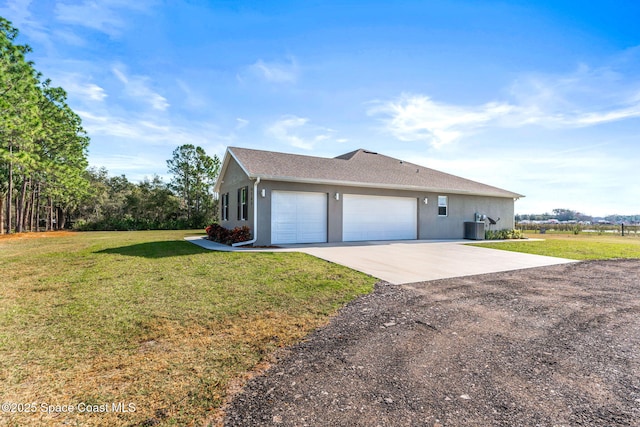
(225, 207)
(243, 203)
(443, 202)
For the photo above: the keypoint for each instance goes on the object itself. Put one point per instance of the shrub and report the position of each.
(80, 225)
(219, 234)
(240, 234)
(503, 234)
(126, 223)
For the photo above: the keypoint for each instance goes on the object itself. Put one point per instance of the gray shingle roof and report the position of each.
(360, 168)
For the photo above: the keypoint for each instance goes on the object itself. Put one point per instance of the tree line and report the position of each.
(45, 182)
(559, 214)
(187, 201)
(43, 147)
(571, 215)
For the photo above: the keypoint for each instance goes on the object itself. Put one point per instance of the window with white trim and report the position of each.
(225, 207)
(243, 205)
(443, 205)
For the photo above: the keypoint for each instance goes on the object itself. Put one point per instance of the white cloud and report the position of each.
(104, 15)
(69, 37)
(107, 16)
(92, 15)
(419, 118)
(19, 13)
(192, 99)
(241, 123)
(146, 131)
(79, 87)
(297, 131)
(133, 165)
(590, 119)
(124, 162)
(282, 130)
(120, 75)
(139, 147)
(92, 91)
(85, 91)
(586, 97)
(584, 179)
(137, 87)
(276, 72)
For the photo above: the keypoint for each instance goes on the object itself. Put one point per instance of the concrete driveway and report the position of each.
(412, 261)
(409, 261)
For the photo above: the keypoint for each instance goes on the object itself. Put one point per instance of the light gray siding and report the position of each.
(461, 208)
(234, 179)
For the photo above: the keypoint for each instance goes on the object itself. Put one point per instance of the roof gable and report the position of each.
(360, 168)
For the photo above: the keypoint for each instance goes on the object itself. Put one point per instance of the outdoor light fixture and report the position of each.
(337, 196)
(263, 192)
(426, 201)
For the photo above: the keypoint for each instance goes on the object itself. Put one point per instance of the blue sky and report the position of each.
(540, 98)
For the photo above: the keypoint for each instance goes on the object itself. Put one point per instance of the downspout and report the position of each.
(255, 216)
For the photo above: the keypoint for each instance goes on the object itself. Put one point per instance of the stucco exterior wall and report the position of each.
(233, 179)
(461, 208)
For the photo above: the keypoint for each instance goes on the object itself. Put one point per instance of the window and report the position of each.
(243, 194)
(225, 207)
(442, 205)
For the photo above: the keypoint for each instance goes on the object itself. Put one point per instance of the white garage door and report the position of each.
(298, 217)
(379, 218)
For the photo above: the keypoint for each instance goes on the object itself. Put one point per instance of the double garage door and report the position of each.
(301, 217)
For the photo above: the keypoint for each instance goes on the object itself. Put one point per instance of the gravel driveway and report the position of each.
(548, 346)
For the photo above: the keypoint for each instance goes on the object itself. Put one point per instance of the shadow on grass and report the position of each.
(169, 248)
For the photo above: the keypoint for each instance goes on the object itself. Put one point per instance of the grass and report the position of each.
(145, 318)
(579, 247)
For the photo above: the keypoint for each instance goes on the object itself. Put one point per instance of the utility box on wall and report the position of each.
(474, 230)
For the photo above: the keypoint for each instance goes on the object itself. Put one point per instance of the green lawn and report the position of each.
(149, 319)
(580, 247)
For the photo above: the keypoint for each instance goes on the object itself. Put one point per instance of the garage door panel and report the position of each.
(298, 217)
(379, 218)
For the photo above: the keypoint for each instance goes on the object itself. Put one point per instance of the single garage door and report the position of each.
(379, 218)
(298, 217)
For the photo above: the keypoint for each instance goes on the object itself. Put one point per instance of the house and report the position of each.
(358, 196)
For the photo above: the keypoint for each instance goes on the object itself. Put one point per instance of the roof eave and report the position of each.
(385, 186)
(225, 163)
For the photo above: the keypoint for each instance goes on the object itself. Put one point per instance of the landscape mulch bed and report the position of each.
(549, 346)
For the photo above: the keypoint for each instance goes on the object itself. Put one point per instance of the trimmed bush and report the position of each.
(219, 234)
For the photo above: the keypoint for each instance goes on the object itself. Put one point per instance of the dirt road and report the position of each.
(550, 346)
